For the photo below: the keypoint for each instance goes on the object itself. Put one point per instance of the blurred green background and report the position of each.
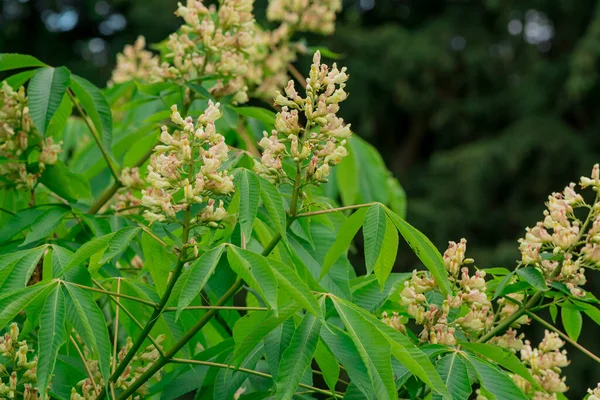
(480, 108)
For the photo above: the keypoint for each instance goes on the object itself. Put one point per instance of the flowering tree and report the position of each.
(166, 239)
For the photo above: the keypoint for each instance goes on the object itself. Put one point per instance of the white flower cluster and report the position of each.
(125, 202)
(210, 42)
(306, 15)
(544, 363)
(87, 390)
(135, 62)
(188, 161)
(317, 146)
(440, 317)
(21, 380)
(594, 394)
(561, 246)
(19, 139)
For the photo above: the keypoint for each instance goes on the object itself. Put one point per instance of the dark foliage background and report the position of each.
(480, 108)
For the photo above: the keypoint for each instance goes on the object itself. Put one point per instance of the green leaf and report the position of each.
(119, 242)
(88, 321)
(276, 342)
(454, 373)
(327, 364)
(374, 230)
(424, 249)
(51, 336)
(273, 203)
(343, 239)
(96, 107)
(17, 80)
(59, 121)
(245, 344)
(554, 312)
(345, 350)
(296, 359)
(157, 260)
(45, 92)
(502, 357)
(295, 287)
(495, 381)
(14, 302)
(45, 224)
(18, 222)
(65, 183)
(263, 115)
(16, 268)
(248, 187)
(108, 246)
(571, 320)
(193, 280)
(387, 254)
(534, 277)
(13, 61)
(256, 271)
(376, 343)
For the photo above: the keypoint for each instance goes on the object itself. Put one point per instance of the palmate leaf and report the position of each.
(19, 222)
(45, 92)
(16, 268)
(273, 203)
(424, 249)
(296, 359)
(193, 280)
(376, 343)
(13, 303)
(247, 186)
(256, 271)
(496, 382)
(88, 321)
(51, 336)
(454, 373)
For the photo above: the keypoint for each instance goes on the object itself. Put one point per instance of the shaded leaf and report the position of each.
(157, 260)
(454, 373)
(45, 224)
(496, 382)
(248, 188)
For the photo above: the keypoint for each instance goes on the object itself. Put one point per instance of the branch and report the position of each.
(83, 360)
(95, 134)
(218, 308)
(109, 293)
(332, 210)
(250, 371)
(564, 336)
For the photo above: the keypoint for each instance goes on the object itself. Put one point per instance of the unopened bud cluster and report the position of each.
(134, 63)
(88, 390)
(18, 372)
(19, 140)
(318, 145)
(210, 42)
(562, 246)
(186, 170)
(544, 363)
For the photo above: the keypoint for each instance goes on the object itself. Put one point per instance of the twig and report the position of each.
(249, 371)
(297, 74)
(106, 292)
(218, 308)
(83, 360)
(564, 336)
(116, 326)
(332, 210)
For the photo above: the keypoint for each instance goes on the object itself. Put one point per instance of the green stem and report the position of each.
(218, 308)
(249, 371)
(205, 319)
(95, 134)
(157, 311)
(337, 209)
(109, 293)
(564, 336)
